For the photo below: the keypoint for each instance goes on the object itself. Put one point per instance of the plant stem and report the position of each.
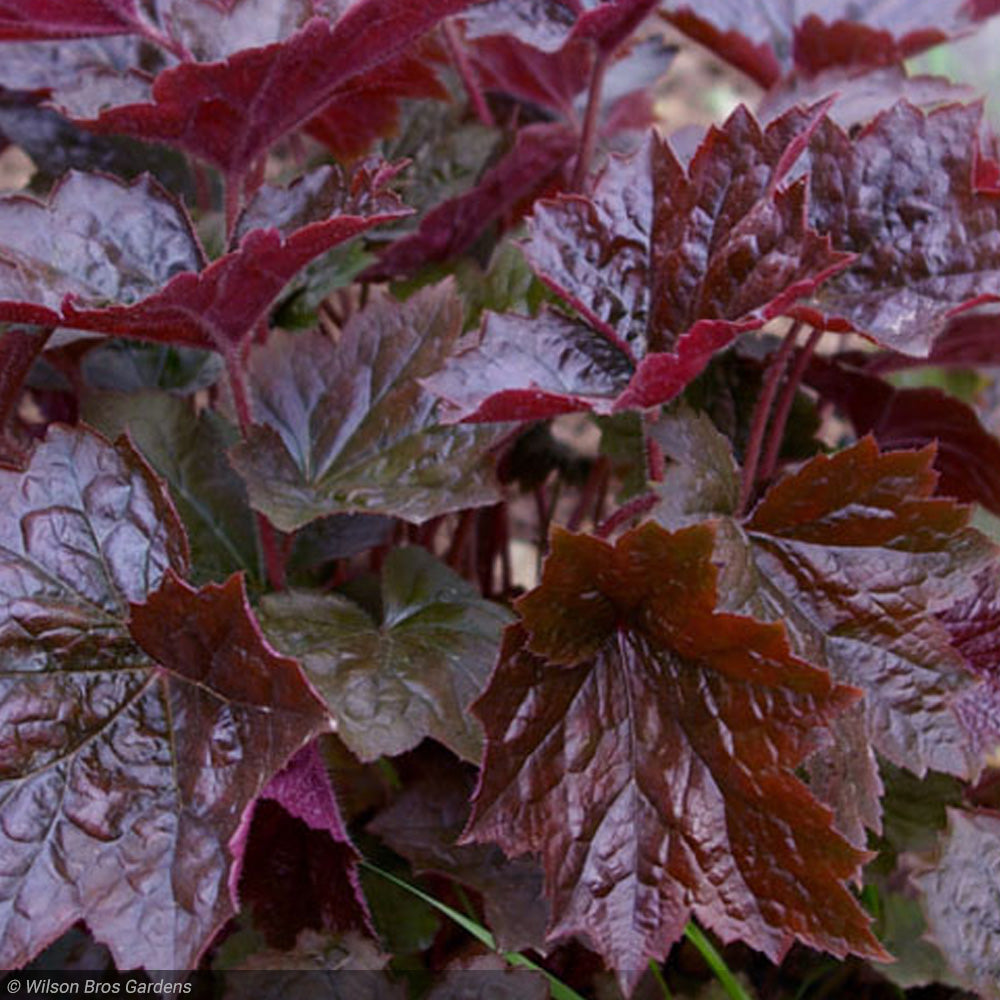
(715, 962)
(273, 560)
(761, 413)
(784, 406)
(472, 89)
(635, 507)
(588, 137)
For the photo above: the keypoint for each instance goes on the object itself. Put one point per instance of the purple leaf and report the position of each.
(967, 455)
(300, 869)
(34, 20)
(140, 717)
(902, 197)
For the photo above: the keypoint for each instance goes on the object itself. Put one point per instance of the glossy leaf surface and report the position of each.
(390, 684)
(856, 554)
(346, 426)
(642, 741)
(140, 716)
(230, 112)
(902, 196)
(130, 264)
(667, 265)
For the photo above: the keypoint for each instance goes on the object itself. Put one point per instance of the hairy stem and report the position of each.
(784, 405)
(636, 507)
(761, 413)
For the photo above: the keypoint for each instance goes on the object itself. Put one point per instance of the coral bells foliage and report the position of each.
(421, 463)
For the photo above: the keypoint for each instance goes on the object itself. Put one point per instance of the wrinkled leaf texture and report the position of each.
(902, 196)
(346, 426)
(123, 259)
(861, 560)
(665, 266)
(140, 717)
(643, 742)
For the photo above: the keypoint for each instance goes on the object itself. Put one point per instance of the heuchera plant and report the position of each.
(319, 312)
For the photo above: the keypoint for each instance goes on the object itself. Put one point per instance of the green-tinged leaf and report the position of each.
(962, 899)
(337, 268)
(406, 919)
(346, 426)
(189, 451)
(390, 684)
(130, 366)
(139, 717)
(901, 927)
(858, 558)
(915, 810)
(622, 443)
(642, 741)
(507, 285)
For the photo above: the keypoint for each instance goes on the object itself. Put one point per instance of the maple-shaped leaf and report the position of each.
(902, 196)
(666, 265)
(123, 259)
(298, 867)
(642, 741)
(859, 558)
(961, 899)
(140, 717)
(767, 38)
(967, 456)
(346, 426)
(391, 683)
(229, 113)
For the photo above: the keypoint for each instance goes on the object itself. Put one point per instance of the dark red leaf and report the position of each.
(511, 372)
(901, 196)
(33, 20)
(129, 262)
(367, 108)
(299, 868)
(642, 741)
(969, 341)
(859, 557)
(967, 456)
(766, 38)
(230, 113)
(454, 225)
(141, 717)
(666, 265)
(860, 95)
